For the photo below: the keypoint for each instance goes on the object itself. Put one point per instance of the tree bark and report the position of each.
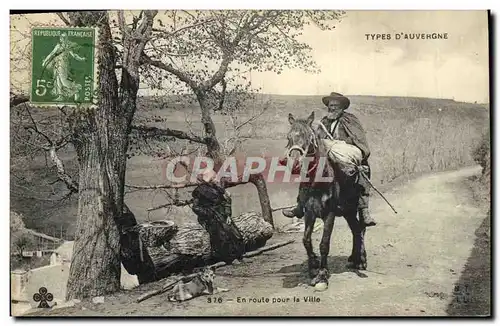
(212, 143)
(265, 204)
(100, 138)
(95, 267)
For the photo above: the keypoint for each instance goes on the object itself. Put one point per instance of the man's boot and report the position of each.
(364, 215)
(295, 212)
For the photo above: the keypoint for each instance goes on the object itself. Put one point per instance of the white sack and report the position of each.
(341, 152)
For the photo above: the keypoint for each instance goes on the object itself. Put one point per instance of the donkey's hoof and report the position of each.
(321, 278)
(357, 265)
(321, 286)
(313, 267)
(313, 262)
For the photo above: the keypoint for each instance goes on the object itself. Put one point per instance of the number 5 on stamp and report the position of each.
(64, 70)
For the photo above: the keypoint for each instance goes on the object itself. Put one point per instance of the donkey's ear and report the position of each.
(291, 119)
(310, 118)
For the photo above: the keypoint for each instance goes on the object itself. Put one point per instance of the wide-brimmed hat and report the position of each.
(337, 96)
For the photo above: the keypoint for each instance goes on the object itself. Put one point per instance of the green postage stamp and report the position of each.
(64, 70)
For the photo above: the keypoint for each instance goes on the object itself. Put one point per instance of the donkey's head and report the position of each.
(301, 137)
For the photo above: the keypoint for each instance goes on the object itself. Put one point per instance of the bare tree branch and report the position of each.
(135, 20)
(35, 129)
(51, 147)
(178, 203)
(170, 186)
(182, 29)
(64, 19)
(249, 120)
(228, 52)
(171, 69)
(221, 72)
(63, 141)
(16, 99)
(121, 23)
(52, 200)
(134, 42)
(61, 172)
(153, 131)
(146, 26)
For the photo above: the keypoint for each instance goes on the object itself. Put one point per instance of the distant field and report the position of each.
(407, 136)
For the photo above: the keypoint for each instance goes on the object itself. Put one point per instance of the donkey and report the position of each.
(325, 200)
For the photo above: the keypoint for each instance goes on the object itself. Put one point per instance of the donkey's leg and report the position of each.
(324, 248)
(353, 226)
(358, 256)
(309, 220)
(362, 248)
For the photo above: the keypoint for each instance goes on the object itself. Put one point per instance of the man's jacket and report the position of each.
(350, 130)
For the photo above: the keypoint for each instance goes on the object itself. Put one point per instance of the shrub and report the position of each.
(481, 154)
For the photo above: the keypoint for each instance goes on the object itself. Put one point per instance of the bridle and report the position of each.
(312, 141)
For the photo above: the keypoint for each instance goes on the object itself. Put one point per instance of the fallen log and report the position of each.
(156, 233)
(191, 247)
(187, 278)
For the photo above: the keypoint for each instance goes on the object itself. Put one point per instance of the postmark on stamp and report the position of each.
(64, 69)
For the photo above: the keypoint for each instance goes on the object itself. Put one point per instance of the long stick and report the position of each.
(282, 207)
(214, 266)
(326, 130)
(364, 176)
(268, 248)
(371, 184)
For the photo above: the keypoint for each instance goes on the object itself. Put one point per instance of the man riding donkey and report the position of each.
(346, 127)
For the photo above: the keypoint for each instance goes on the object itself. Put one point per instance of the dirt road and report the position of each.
(415, 259)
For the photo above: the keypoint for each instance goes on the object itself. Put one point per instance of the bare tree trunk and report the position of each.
(265, 204)
(95, 267)
(100, 137)
(213, 145)
(214, 152)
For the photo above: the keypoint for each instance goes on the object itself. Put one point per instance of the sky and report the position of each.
(454, 68)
